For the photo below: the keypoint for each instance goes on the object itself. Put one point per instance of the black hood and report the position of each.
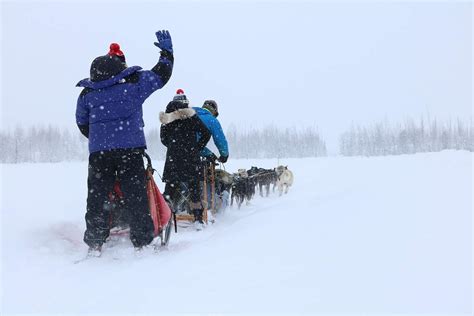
(175, 105)
(105, 67)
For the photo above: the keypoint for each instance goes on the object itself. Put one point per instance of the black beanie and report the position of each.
(104, 67)
(211, 106)
(180, 96)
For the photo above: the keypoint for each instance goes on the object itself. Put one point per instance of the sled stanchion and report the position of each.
(213, 189)
(175, 223)
(204, 191)
(148, 160)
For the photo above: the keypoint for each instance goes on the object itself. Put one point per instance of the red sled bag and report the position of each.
(159, 209)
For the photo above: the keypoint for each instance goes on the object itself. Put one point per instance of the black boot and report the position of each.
(94, 251)
(198, 220)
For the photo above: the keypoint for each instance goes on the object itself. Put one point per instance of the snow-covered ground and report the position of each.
(358, 235)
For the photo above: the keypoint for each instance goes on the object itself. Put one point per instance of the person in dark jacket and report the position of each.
(109, 113)
(179, 133)
(208, 115)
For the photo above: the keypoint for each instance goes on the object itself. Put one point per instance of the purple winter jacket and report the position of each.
(111, 109)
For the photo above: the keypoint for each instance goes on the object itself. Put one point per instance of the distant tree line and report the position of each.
(409, 137)
(52, 144)
(273, 142)
(41, 144)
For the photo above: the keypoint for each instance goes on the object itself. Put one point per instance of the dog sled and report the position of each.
(166, 214)
(181, 209)
(214, 196)
(159, 209)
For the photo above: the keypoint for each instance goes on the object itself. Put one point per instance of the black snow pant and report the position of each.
(192, 190)
(127, 166)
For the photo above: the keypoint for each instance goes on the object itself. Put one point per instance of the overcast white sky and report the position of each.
(289, 63)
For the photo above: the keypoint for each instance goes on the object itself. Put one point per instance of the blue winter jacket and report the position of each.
(112, 108)
(215, 128)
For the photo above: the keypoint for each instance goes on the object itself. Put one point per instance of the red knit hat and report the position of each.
(180, 96)
(115, 51)
(104, 67)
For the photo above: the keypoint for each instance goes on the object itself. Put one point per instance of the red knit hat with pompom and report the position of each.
(180, 96)
(109, 65)
(115, 51)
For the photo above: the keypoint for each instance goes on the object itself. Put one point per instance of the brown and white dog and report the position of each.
(285, 179)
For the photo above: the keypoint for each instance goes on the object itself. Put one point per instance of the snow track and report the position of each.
(353, 235)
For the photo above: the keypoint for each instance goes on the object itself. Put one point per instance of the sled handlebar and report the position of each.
(148, 160)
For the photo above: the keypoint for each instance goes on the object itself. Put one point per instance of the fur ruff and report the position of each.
(180, 114)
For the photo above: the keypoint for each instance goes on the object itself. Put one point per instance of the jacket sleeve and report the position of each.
(203, 133)
(157, 77)
(82, 115)
(206, 152)
(218, 136)
(164, 135)
(84, 130)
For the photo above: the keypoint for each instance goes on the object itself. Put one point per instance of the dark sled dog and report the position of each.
(243, 188)
(263, 178)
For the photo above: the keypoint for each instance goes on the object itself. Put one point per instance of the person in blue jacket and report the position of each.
(208, 115)
(109, 113)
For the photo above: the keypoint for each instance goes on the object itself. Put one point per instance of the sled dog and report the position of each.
(263, 179)
(243, 188)
(285, 179)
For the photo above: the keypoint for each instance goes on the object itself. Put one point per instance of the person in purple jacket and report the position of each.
(109, 113)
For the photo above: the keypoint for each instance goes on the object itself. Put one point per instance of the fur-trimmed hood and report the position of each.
(180, 114)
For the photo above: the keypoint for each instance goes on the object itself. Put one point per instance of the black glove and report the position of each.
(210, 158)
(223, 159)
(85, 130)
(213, 157)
